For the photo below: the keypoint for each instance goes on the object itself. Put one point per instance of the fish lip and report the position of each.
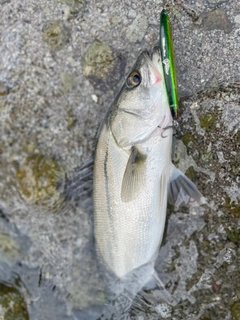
(150, 54)
(150, 61)
(154, 64)
(146, 54)
(155, 49)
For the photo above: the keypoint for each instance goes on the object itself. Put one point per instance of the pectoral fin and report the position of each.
(181, 190)
(134, 176)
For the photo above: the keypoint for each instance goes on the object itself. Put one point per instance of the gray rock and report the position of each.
(237, 19)
(49, 117)
(132, 14)
(136, 31)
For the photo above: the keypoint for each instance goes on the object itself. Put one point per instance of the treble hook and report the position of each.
(164, 129)
(174, 125)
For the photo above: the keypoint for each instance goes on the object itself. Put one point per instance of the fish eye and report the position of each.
(134, 79)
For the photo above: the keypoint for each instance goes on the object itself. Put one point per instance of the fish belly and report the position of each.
(128, 234)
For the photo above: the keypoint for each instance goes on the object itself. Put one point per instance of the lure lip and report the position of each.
(167, 53)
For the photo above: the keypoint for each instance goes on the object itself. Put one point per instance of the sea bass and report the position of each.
(133, 174)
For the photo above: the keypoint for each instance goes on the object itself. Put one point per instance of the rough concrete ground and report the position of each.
(61, 63)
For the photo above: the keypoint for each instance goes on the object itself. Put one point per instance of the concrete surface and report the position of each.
(61, 64)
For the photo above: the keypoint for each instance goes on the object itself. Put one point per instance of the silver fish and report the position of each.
(133, 173)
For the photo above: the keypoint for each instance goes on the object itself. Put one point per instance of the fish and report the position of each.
(133, 173)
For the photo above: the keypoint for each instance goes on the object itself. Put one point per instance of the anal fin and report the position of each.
(182, 190)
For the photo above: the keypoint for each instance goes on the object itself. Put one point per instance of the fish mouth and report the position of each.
(150, 65)
(153, 54)
(153, 60)
(155, 50)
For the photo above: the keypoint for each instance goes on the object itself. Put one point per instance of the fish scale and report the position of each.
(135, 227)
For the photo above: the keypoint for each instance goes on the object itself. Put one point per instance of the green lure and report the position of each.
(166, 48)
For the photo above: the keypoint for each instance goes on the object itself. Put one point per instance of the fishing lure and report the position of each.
(166, 49)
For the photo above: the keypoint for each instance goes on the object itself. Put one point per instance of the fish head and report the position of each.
(142, 104)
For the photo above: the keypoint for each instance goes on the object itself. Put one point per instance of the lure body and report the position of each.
(167, 53)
